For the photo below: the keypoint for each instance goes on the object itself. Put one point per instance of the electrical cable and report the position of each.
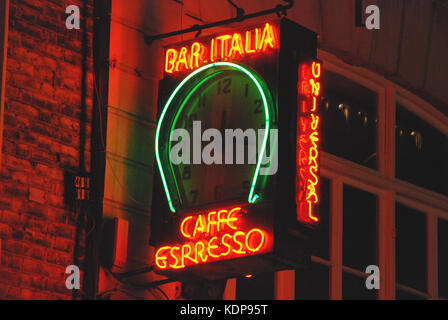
(132, 273)
(100, 295)
(239, 10)
(161, 291)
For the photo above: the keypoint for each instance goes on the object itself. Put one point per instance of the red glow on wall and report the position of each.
(308, 136)
(213, 236)
(221, 48)
(121, 246)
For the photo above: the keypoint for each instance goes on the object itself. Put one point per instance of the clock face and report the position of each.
(224, 116)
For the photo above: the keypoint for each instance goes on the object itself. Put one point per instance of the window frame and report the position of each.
(381, 182)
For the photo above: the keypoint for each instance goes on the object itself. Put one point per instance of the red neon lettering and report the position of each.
(267, 38)
(211, 222)
(224, 42)
(222, 220)
(231, 219)
(239, 243)
(197, 51)
(222, 47)
(315, 87)
(257, 38)
(176, 264)
(182, 60)
(170, 60)
(212, 247)
(226, 244)
(307, 179)
(254, 248)
(315, 68)
(212, 50)
(236, 46)
(314, 107)
(160, 258)
(248, 47)
(186, 254)
(201, 252)
(215, 236)
(199, 226)
(183, 227)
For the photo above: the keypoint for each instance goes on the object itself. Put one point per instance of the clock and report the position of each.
(213, 136)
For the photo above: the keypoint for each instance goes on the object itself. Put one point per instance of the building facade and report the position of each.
(84, 101)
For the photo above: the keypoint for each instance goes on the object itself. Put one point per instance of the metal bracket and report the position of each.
(240, 16)
(239, 11)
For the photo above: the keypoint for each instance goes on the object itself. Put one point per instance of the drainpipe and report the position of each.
(101, 42)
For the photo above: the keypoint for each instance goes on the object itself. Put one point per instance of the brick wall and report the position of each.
(42, 130)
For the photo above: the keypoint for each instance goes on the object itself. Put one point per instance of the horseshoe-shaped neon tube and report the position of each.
(252, 196)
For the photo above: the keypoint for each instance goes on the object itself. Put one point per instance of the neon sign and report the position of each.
(216, 225)
(308, 121)
(214, 236)
(253, 196)
(221, 48)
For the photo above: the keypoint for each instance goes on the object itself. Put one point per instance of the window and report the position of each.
(411, 244)
(359, 242)
(321, 239)
(421, 152)
(359, 229)
(349, 120)
(366, 207)
(313, 283)
(354, 288)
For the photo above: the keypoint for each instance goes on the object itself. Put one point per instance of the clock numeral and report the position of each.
(224, 86)
(218, 193)
(258, 104)
(186, 174)
(194, 196)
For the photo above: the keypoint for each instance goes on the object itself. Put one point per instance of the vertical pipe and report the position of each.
(386, 245)
(358, 14)
(389, 112)
(285, 285)
(4, 16)
(432, 250)
(336, 203)
(101, 42)
(230, 290)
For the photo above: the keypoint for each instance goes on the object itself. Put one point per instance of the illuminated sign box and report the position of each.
(216, 214)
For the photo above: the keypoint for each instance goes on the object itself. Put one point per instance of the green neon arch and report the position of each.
(264, 93)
